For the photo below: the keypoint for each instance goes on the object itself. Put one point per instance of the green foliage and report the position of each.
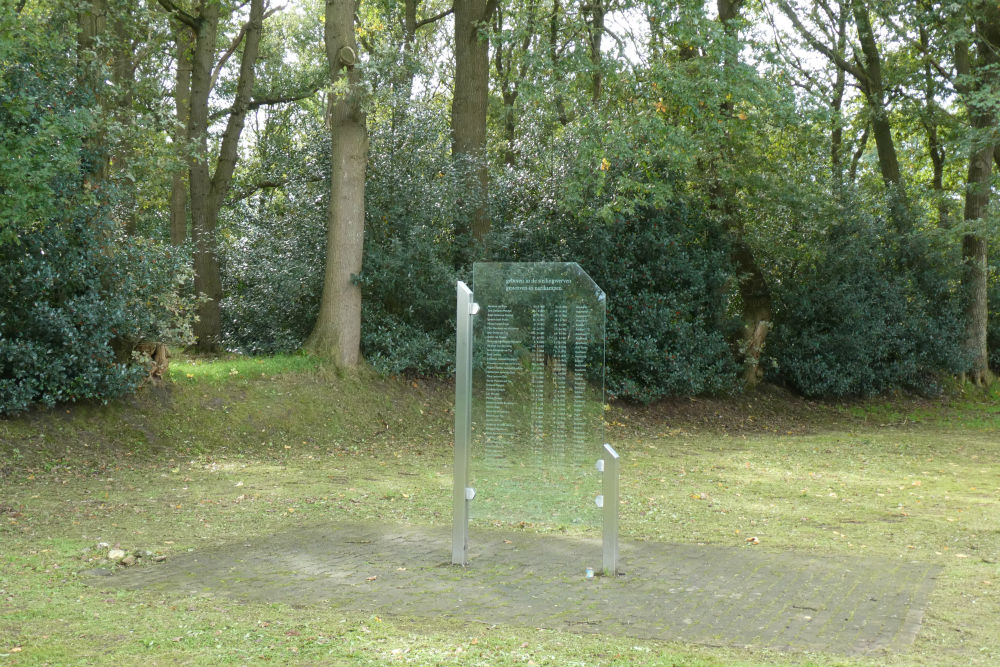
(856, 321)
(413, 202)
(993, 331)
(659, 257)
(274, 248)
(76, 293)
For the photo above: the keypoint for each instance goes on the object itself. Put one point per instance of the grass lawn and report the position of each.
(236, 448)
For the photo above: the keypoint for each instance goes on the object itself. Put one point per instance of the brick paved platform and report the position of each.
(701, 594)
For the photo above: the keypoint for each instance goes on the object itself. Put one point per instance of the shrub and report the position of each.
(73, 287)
(856, 321)
(660, 259)
(413, 202)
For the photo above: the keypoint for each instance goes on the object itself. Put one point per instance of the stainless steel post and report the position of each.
(462, 494)
(610, 508)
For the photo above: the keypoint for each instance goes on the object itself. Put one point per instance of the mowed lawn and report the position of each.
(236, 448)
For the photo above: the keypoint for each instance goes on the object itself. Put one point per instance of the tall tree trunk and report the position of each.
(123, 75)
(337, 332)
(755, 297)
(836, 105)
(182, 108)
(975, 269)
(595, 29)
(873, 87)
(469, 104)
(935, 148)
(559, 103)
(207, 190)
(975, 78)
(837, 130)
(207, 280)
(510, 78)
(91, 56)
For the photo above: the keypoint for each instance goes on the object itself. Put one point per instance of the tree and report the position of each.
(337, 333)
(755, 296)
(182, 106)
(469, 103)
(867, 70)
(208, 187)
(977, 82)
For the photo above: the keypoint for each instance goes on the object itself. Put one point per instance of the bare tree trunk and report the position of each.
(207, 190)
(935, 148)
(123, 74)
(983, 120)
(469, 103)
(975, 269)
(92, 21)
(755, 297)
(595, 28)
(337, 332)
(207, 280)
(182, 106)
(873, 87)
(559, 103)
(836, 105)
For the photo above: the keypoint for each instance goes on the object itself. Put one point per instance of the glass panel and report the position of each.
(538, 394)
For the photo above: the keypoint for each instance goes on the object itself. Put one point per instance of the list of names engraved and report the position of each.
(537, 392)
(501, 365)
(552, 336)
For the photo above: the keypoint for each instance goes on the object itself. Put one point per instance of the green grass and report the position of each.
(215, 456)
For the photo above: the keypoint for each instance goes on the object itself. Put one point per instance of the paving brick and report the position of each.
(696, 593)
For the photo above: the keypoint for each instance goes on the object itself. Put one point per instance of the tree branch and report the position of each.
(436, 17)
(491, 6)
(225, 56)
(267, 100)
(258, 102)
(180, 14)
(837, 58)
(244, 86)
(856, 158)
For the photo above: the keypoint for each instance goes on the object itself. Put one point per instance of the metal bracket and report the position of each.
(465, 309)
(609, 503)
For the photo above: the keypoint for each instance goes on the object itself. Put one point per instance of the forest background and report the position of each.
(793, 192)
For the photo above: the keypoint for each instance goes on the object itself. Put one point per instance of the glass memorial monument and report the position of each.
(529, 417)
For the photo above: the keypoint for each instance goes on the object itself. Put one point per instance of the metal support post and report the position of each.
(462, 494)
(610, 509)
